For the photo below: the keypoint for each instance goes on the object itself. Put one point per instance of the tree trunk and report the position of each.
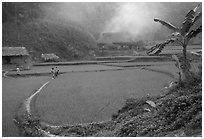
(185, 68)
(184, 53)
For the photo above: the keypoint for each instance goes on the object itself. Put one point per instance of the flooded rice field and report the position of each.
(77, 97)
(86, 97)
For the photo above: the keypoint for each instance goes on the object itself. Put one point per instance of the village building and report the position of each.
(16, 57)
(49, 57)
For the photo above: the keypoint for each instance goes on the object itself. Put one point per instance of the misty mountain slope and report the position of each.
(66, 31)
(48, 37)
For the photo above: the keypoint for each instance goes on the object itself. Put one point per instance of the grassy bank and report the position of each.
(178, 113)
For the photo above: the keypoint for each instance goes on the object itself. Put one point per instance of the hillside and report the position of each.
(40, 35)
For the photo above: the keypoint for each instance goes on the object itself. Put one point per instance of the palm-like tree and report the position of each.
(182, 35)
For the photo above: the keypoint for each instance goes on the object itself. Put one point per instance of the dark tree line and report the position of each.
(20, 11)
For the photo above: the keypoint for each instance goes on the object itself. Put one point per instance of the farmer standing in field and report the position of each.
(18, 71)
(53, 73)
(56, 71)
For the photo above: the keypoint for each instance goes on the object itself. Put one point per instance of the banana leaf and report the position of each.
(190, 20)
(167, 24)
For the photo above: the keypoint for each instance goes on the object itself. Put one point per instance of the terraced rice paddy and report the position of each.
(85, 97)
(77, 96)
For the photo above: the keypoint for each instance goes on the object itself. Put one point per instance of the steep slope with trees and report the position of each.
(24, 24)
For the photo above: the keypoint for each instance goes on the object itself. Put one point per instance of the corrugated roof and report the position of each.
(14, 51)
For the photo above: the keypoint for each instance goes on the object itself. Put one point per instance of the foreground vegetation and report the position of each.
(181, 35)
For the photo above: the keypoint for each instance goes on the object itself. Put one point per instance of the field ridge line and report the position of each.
(28, 101)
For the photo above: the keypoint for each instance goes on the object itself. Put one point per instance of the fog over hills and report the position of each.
(134, 18)
(75, 27)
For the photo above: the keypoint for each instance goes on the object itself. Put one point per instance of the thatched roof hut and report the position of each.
(16, 56)
(14, 51)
